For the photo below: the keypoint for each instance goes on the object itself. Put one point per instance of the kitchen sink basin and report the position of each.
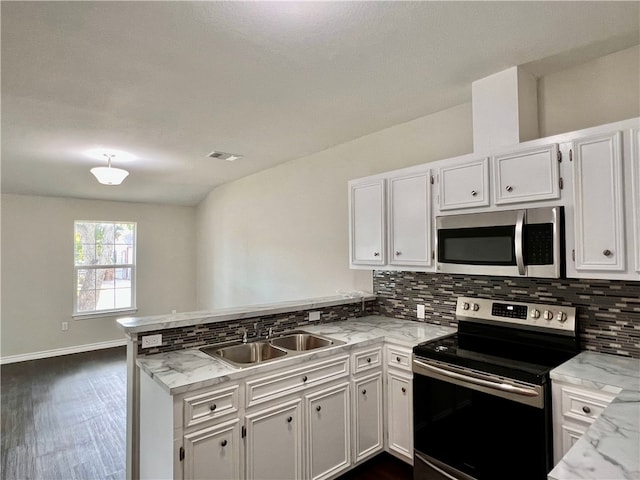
(245, 354)
(303, 341)
(253, 353)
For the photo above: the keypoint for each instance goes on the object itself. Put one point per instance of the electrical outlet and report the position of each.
(65, 326)
(152, 341)
(314, 316)
(420, 311)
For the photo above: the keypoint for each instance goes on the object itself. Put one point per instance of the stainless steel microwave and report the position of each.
(515, 243)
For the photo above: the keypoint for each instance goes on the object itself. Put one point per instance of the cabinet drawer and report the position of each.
(367, 359)
(583, 406)
(398, 357)
(210, 405)
(265, 388)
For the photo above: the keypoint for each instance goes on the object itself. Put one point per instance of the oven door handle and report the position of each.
(505, 387)
(519, 242)
(434, 467)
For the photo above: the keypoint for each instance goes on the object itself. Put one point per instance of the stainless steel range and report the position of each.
(482, 397)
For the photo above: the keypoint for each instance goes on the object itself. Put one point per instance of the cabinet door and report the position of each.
(570, 435)
(526, 176)
(635, 172)
(400, 415)
(465, 185)
(329, 432)
(213, 452)
(367, 413)
(410, 219)
(366, 221)
(599, 215)
(274, 443)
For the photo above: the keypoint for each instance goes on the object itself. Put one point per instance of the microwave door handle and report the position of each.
(519, 238)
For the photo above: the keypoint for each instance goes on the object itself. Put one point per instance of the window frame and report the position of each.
(132, 266)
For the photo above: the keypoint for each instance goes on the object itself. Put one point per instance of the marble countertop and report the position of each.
(132, 325)
(186, 370)
(610, 448)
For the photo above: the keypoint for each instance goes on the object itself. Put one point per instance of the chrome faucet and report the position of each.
(243, 331)
(257, 328)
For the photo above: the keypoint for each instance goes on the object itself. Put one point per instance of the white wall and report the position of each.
(283, 233)
(602, 91)
(37, 269)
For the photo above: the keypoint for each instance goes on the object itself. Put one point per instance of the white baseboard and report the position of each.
(62, 351)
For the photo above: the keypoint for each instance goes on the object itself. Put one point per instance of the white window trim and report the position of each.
(114, 312)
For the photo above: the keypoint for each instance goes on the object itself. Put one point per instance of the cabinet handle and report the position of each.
(364, 391)
(304, 379)
(473, 193)
(318, 408)
(397, 359)
(376, 254)
(223, 443)
(369, 360)
(398, 253)
(509, 188)
(607, 253)
(404, 390)
(289, 419)
(586, 409)
(212, 407)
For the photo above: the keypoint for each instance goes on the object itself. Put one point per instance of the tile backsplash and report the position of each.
(608, 311)
(205, 334)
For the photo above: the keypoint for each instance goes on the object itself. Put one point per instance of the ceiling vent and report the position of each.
(229, 157)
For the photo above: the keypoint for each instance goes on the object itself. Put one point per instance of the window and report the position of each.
(104, 267)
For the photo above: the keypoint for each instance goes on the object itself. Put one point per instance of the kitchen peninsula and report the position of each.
(176, 389)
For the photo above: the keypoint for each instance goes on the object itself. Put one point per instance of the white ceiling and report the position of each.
(171, 81)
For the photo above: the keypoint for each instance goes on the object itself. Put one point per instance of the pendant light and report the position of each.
(109, 175)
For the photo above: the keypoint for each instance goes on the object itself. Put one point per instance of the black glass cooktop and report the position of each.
(516, 354)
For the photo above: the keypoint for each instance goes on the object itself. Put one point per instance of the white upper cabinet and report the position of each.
(599, 203)
(410, 219)
(594, 174)
(464, 185)
(527, 175)
(366, 222)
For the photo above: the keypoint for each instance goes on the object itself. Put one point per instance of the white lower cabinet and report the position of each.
(213, 452)
(367, 413)
(311, 421)
(328, 432)
(574, 410)
(399, 392)
(400, 415)
(274, 442)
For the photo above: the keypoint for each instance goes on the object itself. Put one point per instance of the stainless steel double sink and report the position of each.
(252, 353)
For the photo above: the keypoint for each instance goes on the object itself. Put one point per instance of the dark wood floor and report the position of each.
(381, 467)
(64, 417)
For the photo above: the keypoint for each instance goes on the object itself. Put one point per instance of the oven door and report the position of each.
(468, 425)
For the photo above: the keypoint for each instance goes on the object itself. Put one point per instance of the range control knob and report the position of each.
(535, 313)
(465, 306)
(561, 317)
(475, 307)
(547, 315)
